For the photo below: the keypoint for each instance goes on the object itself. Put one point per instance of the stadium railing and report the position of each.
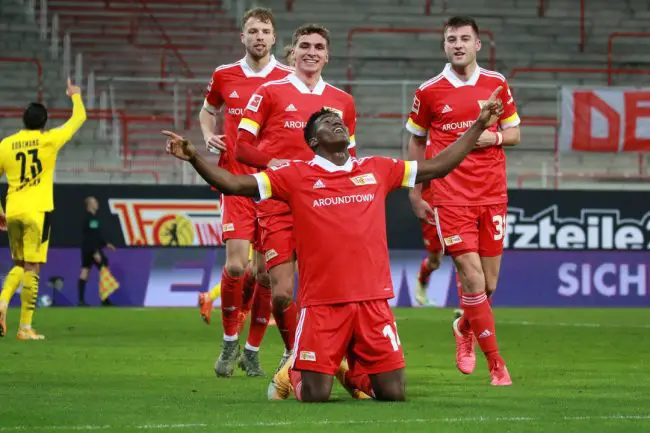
(611, 70)
(39, 71)
(407, 30)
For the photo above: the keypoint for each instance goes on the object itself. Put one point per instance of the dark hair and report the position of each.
(460, 21)
(35, 116)
(286, 53)
(263, 14)
(309, 29)
(310, 128)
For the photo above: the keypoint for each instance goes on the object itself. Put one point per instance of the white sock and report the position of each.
(251, 348)
(230, 337)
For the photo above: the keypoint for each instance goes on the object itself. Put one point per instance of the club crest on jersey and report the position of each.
(334, 110)
(416, 105)
(254, 102)
(364, 179)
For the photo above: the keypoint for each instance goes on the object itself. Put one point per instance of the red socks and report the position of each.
(231, 300)
(260, 315)
(425, 272)
(479, 315)
(287, 320)
(249, 291)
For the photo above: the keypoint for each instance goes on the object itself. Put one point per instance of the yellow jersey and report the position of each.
(28, 158)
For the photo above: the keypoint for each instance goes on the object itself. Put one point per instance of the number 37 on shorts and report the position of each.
(466, 229)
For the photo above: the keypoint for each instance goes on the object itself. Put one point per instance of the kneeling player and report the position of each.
(342, 221)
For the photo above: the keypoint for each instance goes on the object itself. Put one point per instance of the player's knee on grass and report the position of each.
(389, 386)
(316, 387)
(471, 273)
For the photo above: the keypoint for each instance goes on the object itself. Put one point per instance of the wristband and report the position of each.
(499, 139)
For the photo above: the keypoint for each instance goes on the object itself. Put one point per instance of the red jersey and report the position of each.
(339, 215)
(447, 107)
(277, 114)
(231, 87)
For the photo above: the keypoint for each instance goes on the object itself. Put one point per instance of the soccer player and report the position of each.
(271, 132)
(28, 158)
(230, 89)
(469, 205)
(430, 235)
(92, 253)
(338, 200)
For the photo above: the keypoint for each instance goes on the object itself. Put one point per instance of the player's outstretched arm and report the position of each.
(65, 132)
(219, 178)
(444, 162)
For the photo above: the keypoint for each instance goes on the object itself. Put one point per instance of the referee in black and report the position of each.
(91, 248)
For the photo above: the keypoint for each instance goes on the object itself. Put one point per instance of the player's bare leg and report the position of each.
(12, 281)
(312, 387)
(285, 310)
(479, 314)
(232, 281)
(260, 314)
(28, 298)
(429, 265)
(491, 269)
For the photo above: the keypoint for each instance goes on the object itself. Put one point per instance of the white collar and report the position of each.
(302, 87)
(330, 166)
(457, 82)
(250, 73)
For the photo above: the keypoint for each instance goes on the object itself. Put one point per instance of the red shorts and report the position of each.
(467, 229)
(278, 243)
(364, 332)
(239, 219)
(430, 237)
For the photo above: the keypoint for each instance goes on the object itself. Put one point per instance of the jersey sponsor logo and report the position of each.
(594, 229)
(364, 179)
(291, 107)
(234, 94)
(279, 166)
(319, 184)
(453, 126)
(453, 240)
(254, 102)
(446, 109)
(295, 124)
(343, 199)
(174, 222)
(236, 111)
(307, 356)
(416, 105)
(334, 110)
(230, 227)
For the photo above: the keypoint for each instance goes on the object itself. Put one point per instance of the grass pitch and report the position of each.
(129, 370)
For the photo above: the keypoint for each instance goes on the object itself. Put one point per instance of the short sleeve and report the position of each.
(397, 173)
(350, 120)
(213, 100)
(420, 117)
(256, 112)
(509, 118)
(276, 182)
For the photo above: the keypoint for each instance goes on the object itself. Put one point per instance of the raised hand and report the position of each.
(72, 89)
(179, 147)
(491, 110)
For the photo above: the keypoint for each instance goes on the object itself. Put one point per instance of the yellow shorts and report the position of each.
(29, 236)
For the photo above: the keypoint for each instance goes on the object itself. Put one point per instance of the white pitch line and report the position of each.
(480, 419)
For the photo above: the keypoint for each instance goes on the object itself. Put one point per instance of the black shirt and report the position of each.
(92, 234)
